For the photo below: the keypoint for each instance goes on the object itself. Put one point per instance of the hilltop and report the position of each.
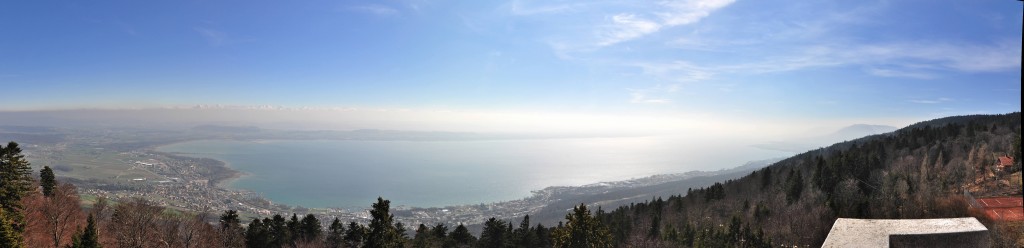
(920, 171)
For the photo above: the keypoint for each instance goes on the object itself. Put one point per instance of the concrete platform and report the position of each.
(951, 232)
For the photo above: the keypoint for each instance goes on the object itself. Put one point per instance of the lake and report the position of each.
(353, 173)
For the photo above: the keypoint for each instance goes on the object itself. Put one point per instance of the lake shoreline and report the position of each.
(537, 198)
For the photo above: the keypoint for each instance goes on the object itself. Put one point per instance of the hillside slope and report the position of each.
(919, 171)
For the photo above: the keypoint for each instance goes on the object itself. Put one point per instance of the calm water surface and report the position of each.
(352, 174)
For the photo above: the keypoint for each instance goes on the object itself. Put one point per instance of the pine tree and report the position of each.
(335, 234)
(422, 237)
(383, 231)
(257, 234)
(525, 235)
(462, 236)
(293, 229)
(582, 230)
(543, 235)
(279, 233)
(231, 230)
(310, 228)
(9, 237)
(355, 236)
(794, 187)
(47, 180)
(495, 234)
(15, 182)
(87, 238)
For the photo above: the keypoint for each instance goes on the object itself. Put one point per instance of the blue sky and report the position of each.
(891, 62)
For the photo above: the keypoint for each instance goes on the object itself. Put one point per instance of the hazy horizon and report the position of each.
(761, 69)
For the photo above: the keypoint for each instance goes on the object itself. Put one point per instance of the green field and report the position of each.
(87, 163)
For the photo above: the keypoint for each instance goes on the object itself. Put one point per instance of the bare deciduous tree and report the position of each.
(133, 224)
(52, 220)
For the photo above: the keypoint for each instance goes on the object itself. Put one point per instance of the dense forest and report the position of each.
(921, 171)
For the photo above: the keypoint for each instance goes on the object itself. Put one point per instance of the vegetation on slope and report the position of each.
(921, 171)
(916, 172)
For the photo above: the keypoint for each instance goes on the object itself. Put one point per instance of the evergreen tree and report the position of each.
(15, 182)
(228, 219)
(543, 235)
(422, 238)
(293, 229)
(47, 180)
(87, 238)
(582, 230)
(794, 187)
(495, 234)
(257, 234)
(440, 232)
(336, 234)
(310, 228)
(9, 237)
(525, 235)
(383, 229)
(231, 230)
(280, 235)
(400, 229)
(766, 177)
(462, 237)
(355, 236)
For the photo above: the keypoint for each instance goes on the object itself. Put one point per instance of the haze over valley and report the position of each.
(432, 123)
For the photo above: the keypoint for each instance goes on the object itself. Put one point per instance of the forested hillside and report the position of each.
(921, 171)
(916, 172)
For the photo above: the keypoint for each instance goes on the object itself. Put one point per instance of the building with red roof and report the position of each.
(1005, 162)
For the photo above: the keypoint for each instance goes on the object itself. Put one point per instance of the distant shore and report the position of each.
(221, 182)
(537, 200)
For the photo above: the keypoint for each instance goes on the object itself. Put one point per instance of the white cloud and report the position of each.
(620, 21)
(626, 27)
(687, 12)
(629, 26)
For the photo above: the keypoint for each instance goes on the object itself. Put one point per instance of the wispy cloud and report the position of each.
(375, 9)
(629, 26)
(905, 60)
(686, 12)
(626, 27)
(899, 73)
(924, 61)
(213, 37)
(607, 23)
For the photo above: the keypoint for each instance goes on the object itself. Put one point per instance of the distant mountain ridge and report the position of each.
(861, 130)
(847, 133)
